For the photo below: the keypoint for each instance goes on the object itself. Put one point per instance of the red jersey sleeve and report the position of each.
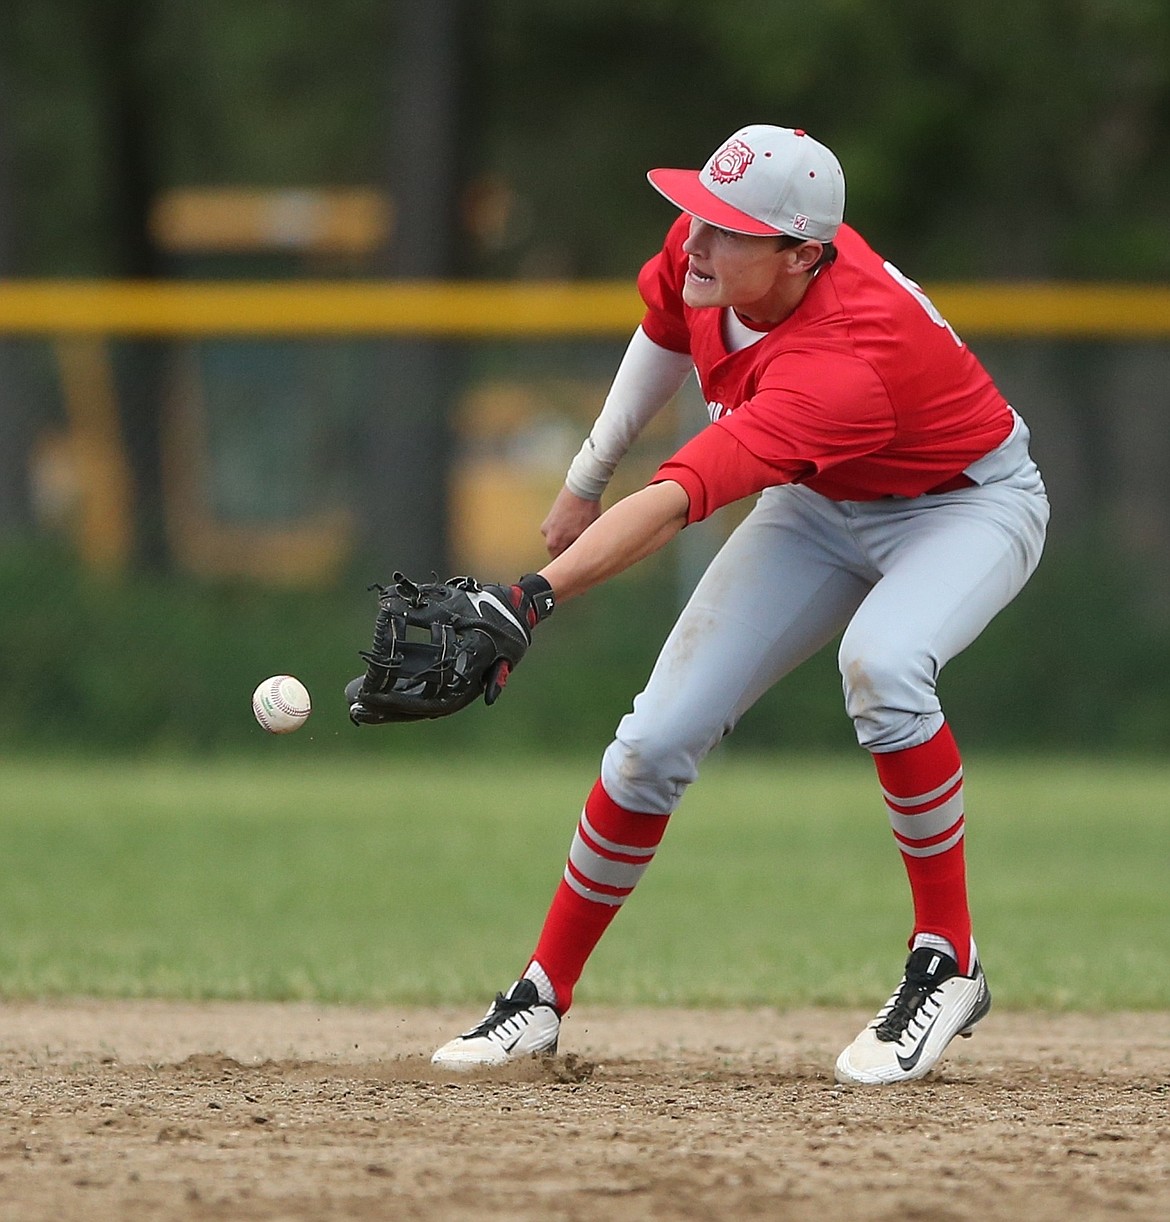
(715, 469)
(807, 415)
(660, 284)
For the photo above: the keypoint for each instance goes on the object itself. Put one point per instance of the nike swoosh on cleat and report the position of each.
(909, 1062)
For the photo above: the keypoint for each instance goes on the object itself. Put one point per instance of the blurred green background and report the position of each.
(181, 518)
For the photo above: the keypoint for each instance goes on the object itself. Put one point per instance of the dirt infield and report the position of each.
(225, 1111)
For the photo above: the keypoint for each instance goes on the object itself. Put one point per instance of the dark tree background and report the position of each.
(1000, 140)
(995, 139)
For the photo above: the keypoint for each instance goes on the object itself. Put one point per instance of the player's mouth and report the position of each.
(697, 277)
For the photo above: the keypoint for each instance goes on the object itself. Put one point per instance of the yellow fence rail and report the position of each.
(82, 317)
(511, 310)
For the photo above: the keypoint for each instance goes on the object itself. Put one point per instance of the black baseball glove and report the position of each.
(438, 646)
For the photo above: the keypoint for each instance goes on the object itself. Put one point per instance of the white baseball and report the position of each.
(281, 704)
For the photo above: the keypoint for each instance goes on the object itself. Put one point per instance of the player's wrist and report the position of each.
(538, 596)
(588, 475)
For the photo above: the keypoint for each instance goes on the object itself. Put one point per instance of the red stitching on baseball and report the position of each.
(272, 692)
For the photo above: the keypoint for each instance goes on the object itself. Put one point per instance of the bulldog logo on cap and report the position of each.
(729, 164)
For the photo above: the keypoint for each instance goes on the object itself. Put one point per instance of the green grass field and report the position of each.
(416, 881)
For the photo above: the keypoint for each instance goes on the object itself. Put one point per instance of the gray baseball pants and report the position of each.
(911, 581)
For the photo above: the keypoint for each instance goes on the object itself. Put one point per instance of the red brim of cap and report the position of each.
(687, 193)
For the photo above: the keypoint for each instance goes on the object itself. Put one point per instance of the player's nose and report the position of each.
(696, 241)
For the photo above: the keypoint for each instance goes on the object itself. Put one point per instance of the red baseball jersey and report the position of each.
(864, 391)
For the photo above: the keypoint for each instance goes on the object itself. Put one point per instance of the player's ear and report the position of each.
(807, 255)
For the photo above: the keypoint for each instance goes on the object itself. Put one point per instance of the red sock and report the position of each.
(923, 789)
(611, 849)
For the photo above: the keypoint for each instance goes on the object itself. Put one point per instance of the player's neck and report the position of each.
(772, 310)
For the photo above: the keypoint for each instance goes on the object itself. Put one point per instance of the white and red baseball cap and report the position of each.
(763, 180)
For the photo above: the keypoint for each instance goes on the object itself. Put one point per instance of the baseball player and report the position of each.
(897, 505)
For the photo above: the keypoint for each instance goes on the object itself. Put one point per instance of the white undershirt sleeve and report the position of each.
(648, 377)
